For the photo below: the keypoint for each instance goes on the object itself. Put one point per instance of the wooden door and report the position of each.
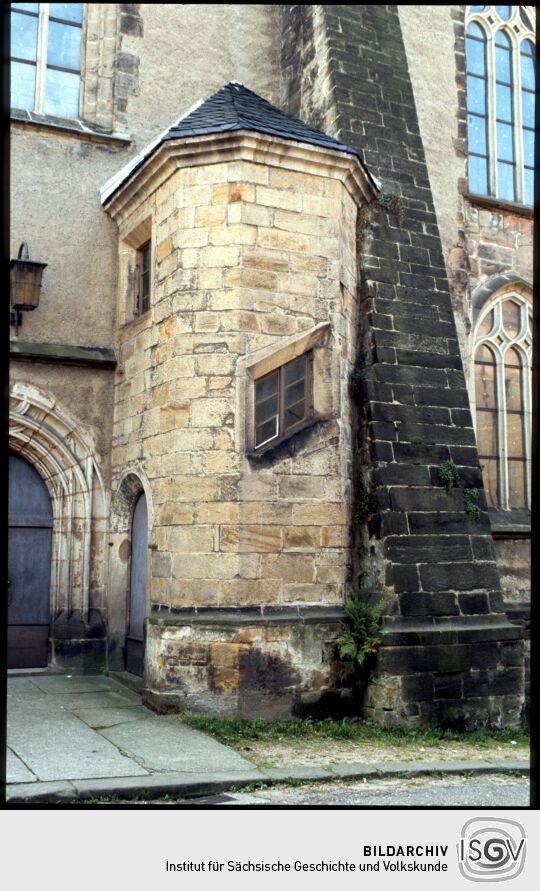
(137, 595)
(29, 566)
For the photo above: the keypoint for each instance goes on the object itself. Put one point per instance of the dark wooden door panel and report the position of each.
(137, 597)
(29, 566)
(29, 575)
(28, 646)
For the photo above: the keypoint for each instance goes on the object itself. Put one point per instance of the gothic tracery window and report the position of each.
(500, 101)
(502, 391)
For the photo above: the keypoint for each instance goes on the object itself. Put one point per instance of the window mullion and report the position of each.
(491, 110)
(500, 396)
(518, 131)
(41, 57)
(527, 432)
(281, 401)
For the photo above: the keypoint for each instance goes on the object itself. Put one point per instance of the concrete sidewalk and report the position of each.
(84, 737)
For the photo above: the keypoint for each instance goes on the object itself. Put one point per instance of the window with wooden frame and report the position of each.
(283, 400)
(502, 393)
(500, 101)
(142, 278)
(46, 57)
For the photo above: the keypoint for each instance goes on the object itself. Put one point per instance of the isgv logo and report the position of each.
(491, 849)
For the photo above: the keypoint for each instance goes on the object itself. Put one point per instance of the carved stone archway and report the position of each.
(41, 431)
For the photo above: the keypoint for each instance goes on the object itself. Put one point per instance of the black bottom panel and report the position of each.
(28, 646)
(134, 656)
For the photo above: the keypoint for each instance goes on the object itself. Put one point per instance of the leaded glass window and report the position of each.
(45, 57)
(500, 101)
(502, 394)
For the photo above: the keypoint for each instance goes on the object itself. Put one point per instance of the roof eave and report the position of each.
(119, 194)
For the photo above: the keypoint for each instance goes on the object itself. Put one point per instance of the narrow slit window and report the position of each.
(143, 277)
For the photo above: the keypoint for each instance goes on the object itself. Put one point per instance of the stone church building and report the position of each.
(281, 351)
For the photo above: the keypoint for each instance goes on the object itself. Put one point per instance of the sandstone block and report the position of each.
(279, 198)
(191, 540)
(281, 241)
(319, 514)
(190, 238)
(235, 234)
(217, 512)
(190, 488)
(246, 539)
(174, 415)
(288, 567)
(206, 321)
(301, 538)
(210, 216)
(228, 193)
(164, 249)
(279, 178)
(210, 413)
(220, 256)
(210, 278)
(170, 513)
(251, 278)
(161, 565)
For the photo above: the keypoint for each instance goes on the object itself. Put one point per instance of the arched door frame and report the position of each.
(131, 485)
(65, 457)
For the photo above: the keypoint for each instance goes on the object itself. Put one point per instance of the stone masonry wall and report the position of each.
(247, 257)
(441, 578)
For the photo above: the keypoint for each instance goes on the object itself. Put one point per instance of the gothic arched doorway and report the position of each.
(137, 588)
(29, 566)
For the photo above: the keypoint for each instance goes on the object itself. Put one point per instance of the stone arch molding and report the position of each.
(131, 484)
(65, 457)
(495, 287)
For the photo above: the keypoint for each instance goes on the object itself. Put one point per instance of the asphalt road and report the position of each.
(492, 791)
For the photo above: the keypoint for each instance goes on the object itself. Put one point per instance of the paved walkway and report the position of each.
(84, 737)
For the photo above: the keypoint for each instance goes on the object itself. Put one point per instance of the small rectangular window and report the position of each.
(283, 400)
(143, 279)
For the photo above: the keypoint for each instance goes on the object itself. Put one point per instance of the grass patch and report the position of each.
(235, 732)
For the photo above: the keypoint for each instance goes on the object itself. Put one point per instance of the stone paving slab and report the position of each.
(73, 684)
(63, 748)
(99, 718)
(165, 744)
(21, 684)
(17, 771)
(103, 699)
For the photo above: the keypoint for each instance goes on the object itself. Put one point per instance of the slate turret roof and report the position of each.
(234, 107)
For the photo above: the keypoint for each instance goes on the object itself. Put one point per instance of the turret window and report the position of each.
(282, 401)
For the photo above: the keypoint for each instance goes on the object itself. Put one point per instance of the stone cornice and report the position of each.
(240, 145)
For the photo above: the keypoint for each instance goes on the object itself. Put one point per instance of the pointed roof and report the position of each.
(234, 107)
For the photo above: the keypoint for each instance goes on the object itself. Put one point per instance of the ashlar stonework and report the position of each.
(254, 240)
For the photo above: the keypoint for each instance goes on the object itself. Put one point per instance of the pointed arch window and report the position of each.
(500, 101)
(502, 394)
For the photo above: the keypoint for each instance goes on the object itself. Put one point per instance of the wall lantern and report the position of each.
(25, 285)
